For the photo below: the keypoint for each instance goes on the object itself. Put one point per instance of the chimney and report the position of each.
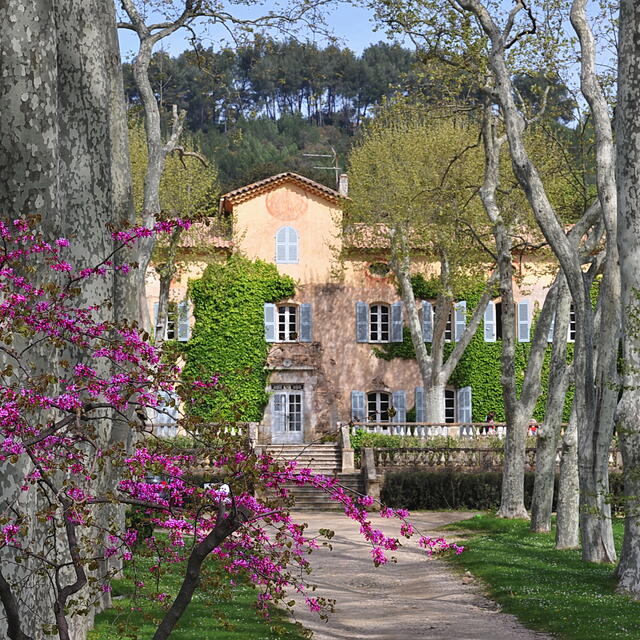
(343, 185)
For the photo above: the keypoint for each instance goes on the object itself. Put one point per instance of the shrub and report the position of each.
(433, 490)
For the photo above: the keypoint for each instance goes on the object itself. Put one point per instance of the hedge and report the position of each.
(415, 489)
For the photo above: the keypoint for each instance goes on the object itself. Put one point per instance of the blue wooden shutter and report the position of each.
(419, 404)
(396, 322)
(306, 326)
(287, 245)
(279, 412)
(523, 321)
(281, 245)
(362, 322)
(461, 319)
(358, 406)
(464, 405)
(427, 321)
(399, 401)
(292, 245)
(183, 321)
(269, 322)
(490, 322)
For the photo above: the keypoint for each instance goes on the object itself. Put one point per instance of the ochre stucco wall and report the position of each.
(333, 364)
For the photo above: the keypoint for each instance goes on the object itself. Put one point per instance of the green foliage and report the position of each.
(416, 489)
(222, 611)
(228, 337)
(480, 366)
(424, 289)
(549, 590)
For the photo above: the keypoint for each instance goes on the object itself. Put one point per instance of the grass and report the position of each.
(548, 590)
(218, 611)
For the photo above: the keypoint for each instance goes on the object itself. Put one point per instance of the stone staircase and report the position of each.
(325, 459)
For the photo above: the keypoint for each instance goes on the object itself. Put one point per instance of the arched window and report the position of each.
(378, 403)
(286, 245)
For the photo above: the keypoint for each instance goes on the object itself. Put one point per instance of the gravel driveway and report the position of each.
(415, 599)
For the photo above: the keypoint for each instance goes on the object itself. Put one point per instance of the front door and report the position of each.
(286, 417)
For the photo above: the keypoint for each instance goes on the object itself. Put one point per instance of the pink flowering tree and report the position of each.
(64, 520)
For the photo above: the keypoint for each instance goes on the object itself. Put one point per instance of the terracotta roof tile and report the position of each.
(255, 188)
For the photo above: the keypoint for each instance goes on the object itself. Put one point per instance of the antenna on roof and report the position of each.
(334, 156)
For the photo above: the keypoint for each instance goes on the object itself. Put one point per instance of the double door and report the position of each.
(287, 414)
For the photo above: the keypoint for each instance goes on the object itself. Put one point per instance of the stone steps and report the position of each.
(324, 459)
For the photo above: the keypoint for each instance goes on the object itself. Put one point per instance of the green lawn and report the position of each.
(219, 611)
(548, 590)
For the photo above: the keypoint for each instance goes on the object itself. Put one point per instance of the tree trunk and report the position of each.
(568, 520)
(594, 523)
(628, 170)
(434, 403)
(549, 431)
(63, 155)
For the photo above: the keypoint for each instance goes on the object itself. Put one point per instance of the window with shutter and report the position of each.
(399, 402)
(287, 246)
(165, 415)
(287, 323)
(379, 323)
(396, 322)
(378, 403)
(306, 323)
(461, 319)
(572, 324)
(362, 322)
(358, 411)
(427, 321)
(270, 322)
(490, 322)
(464, 405)
(183, 321)
(523, 321)
(449, 405)
(419, 404)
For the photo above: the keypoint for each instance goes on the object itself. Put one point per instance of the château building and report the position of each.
(323, 362)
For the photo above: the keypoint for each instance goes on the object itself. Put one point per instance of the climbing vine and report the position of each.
(228, 336)
(480, 366)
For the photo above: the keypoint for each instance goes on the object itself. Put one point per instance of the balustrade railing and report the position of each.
(431, 429)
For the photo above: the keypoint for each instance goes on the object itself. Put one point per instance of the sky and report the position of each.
(351, 25)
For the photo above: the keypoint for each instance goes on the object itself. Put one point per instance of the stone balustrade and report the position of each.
(430, 429)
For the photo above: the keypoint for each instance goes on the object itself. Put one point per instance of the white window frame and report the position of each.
(289, 418)
(172, 326)
(450, 405)
(378, 328)
(378, 404)
(165, 417)
(287, 246)
(287, 323)
(571, 329)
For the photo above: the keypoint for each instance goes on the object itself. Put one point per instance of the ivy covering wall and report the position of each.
(480, 366)
(228, 336)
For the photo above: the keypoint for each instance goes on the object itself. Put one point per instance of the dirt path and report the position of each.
(417, 598)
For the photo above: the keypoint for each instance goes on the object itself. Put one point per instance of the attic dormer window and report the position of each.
(287, 246)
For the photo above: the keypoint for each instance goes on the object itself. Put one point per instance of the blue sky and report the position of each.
(351, 25)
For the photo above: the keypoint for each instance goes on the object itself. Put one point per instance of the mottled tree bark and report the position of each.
(549, 431)
(64, 157)
(592, 400)
(518, 408)
(568, 519)
(628, 173)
